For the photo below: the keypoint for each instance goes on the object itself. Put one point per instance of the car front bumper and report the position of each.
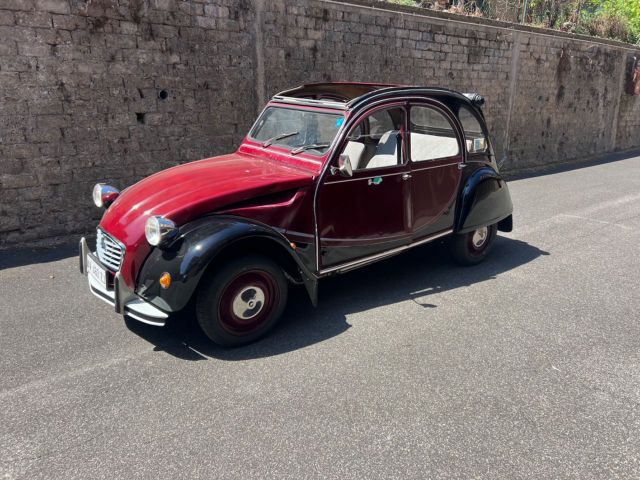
(121, 297)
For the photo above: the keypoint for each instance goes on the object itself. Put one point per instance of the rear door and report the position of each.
(436, 151)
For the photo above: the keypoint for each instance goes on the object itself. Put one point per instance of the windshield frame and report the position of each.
(338, 113)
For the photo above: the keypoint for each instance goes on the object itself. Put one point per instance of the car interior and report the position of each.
(377, 140)
(432, 135)
(437, 140)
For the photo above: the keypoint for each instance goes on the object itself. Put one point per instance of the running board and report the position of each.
(345, 267)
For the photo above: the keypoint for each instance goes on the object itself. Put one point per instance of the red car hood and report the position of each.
(188, 191)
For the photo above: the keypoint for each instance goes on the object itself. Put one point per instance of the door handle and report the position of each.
(461, 166)
(406, 176)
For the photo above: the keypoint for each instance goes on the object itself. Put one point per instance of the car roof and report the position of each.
(350, 95)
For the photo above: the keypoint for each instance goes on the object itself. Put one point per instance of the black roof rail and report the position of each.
(379, 92)
(383, 92)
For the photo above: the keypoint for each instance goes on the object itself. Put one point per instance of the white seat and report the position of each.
(430, 147)
(386, 152)
(355, 150)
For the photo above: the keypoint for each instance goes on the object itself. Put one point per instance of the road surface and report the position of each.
(527, 366)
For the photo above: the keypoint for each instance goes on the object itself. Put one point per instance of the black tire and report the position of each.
(466, 249)
(242, 300)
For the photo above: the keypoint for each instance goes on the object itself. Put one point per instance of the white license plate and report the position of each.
(96, 271)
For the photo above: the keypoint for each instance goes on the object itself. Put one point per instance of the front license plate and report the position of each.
(96, 271)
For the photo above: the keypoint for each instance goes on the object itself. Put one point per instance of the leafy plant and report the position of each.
(627, 12)
(615, 19)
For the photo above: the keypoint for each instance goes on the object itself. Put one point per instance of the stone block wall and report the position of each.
(114, 90)
(628, 125)
(550, 97)
(328, 41)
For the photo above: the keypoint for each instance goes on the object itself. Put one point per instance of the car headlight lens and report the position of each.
(159, 230)
(104, 195)
(97, 194)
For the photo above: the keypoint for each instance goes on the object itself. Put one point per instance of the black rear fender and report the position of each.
(484, 200)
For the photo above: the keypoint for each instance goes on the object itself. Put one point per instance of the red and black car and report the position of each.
(331, 177)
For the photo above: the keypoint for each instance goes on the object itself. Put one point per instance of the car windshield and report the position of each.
(296, 129)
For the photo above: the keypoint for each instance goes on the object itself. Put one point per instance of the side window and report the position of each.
(432, 135)
(474, 137)
(376, 141)
(380, 123)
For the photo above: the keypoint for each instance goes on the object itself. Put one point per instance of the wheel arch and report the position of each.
(207, 243)
(260, 245)
(484, 200)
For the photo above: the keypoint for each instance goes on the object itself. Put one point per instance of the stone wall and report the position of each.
(114, 90)
(551, 97)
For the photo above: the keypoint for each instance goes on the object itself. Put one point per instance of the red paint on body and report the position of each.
(188, 191)
(374, 210)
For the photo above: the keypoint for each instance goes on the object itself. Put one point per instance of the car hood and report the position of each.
(191, 190)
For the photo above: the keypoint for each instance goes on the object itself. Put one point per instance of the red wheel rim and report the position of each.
(247, 302)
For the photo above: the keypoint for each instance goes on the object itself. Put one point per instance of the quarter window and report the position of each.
(432, 135)
(475, 139)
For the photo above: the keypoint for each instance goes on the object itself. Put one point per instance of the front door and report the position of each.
(436, 152)
(367, 213)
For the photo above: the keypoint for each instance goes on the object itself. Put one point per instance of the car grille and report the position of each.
(109, 251)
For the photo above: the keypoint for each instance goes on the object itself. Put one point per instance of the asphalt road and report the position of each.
(527, 366)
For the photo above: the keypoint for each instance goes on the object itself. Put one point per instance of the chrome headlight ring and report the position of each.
(104, 195)
(159, 230)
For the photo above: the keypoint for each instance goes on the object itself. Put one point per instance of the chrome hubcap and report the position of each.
(248, 303)
(480, 237)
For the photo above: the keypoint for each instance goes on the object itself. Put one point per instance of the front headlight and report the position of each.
(159, 230)
(104, 195)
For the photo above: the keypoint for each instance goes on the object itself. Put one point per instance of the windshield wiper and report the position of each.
(268, 142)
(312, 146)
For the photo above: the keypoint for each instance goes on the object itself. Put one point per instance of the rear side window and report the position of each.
(475, 139)
(432, 135)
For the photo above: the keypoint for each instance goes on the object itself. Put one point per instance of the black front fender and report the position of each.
(200, 243)
(484, 200)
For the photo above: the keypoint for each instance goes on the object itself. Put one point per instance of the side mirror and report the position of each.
(344, 167)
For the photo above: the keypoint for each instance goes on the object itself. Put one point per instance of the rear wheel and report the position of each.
(473, 247)
(242, 301)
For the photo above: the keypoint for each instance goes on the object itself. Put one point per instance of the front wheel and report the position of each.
(473, 247)
(242, 301)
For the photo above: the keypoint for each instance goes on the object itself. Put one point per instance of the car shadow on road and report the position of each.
(417, 275)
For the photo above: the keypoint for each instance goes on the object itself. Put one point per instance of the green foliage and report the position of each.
(628, 11)
(606, 25)
(615, 19)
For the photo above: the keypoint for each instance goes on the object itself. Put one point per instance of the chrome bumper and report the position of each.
(124, 300)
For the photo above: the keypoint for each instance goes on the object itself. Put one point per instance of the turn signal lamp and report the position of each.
(165, 280)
